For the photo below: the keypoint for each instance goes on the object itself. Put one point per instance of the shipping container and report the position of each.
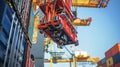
(109, 62)
(99, 63)
(2, 6)
(31, 63)
(104, 65)
(27, 55)
(117, 65)
(108, 54)
(112, 51)
(116, 58)
(12, 39)
(26, 13)
(17, 4)
(115, 49)
(5, 23)
(103, 61)
(100, 66)
(22, 8)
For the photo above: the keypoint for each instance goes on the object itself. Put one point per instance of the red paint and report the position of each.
(112, 51)
(104, 65)
(117, 65)
(65, 17)
(108, 54)
(115, 49)
(27, 56)
(99, 63)
(31, 63)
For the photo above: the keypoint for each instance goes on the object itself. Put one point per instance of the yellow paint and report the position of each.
(109, 62)
(74, 61)
(85, 3)
(51, 62)
(34, 1)
(51, 51)
(79, 22)
(35, 34)
(80, 1)
(47, 41)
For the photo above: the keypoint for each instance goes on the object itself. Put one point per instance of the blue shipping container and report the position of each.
(103, 60)
(116, 58)
(2, 53)
(2, 7)
(5, 23)
(12, 41)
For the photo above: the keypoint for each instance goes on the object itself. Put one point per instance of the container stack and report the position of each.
(15, 42)
(22, 8)
(112, 57)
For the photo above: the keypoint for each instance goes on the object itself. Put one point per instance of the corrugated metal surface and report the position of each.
(108, 54)
(109, 62)
(116, 58)
(2, 6)
(12, 40)
(17, 4)
(22, 8)
(103, 61)
(104, 65)
(99, 63)
(117, 65)
(31, 63)
(26, 13)
(27, 64)
(112, 51)
(115, 49)
(4, 31)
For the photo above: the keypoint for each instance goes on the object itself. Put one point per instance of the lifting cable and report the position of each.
(66, 54)
(68, 51)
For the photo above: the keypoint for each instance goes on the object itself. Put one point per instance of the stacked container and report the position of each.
(22, 9)
(116, 55)
(26, 13)
(112, 57)
(103, 61)
(14, 43)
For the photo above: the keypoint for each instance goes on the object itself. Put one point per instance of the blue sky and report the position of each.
(103, 32)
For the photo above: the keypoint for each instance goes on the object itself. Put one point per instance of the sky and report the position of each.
(103, 32)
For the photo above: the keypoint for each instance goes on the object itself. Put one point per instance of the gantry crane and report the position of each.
(56, 58)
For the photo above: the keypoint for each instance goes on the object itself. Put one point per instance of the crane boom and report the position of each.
(94, 60)
(90, 3)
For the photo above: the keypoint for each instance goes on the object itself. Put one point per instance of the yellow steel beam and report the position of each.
(82, 22)
(94, 60)
(74, 61)
(89, 3)
(51, 61)
(85, 3)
